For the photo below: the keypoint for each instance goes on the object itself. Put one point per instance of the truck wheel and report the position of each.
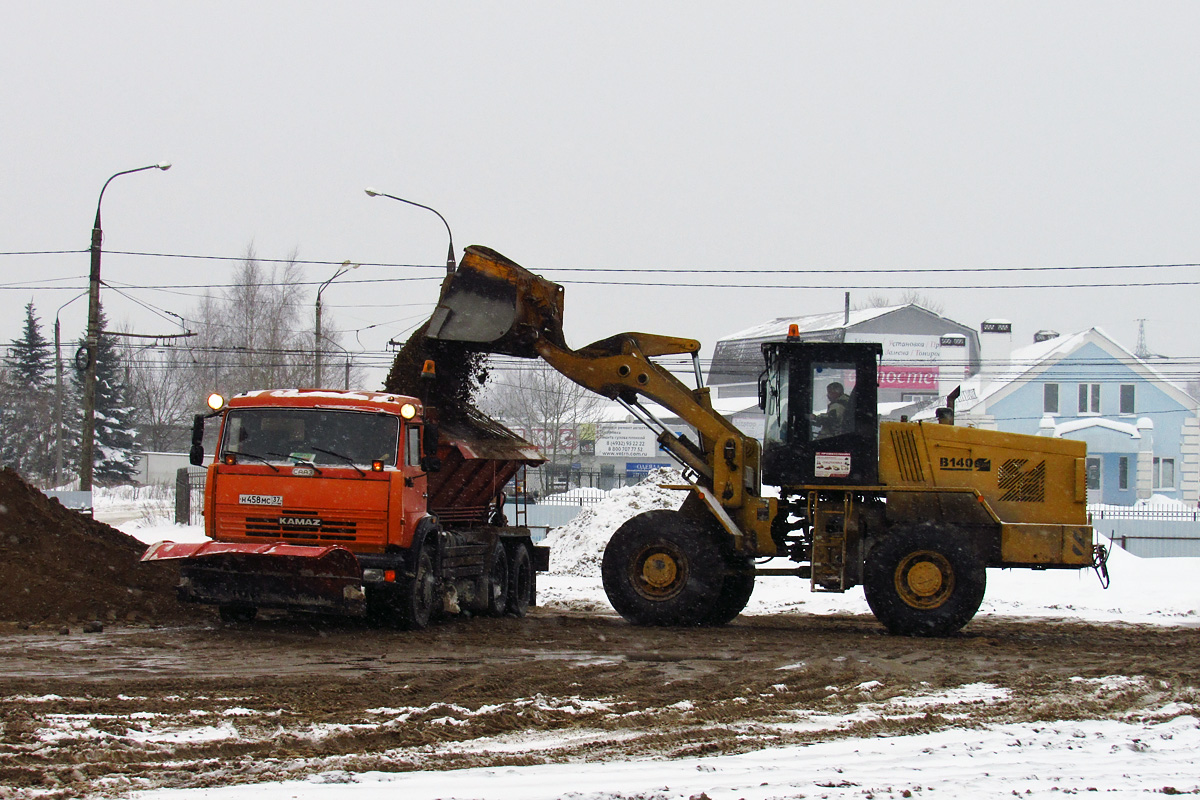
(924, 581)
(520, 581)
(663, 568)
(496, 581)
(236, 613)
(417, 595)
(735, 593)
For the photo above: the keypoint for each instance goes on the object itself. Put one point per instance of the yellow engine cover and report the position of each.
(1021, 478)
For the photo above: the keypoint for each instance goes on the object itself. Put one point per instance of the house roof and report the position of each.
(1026, 363)
(812, 323)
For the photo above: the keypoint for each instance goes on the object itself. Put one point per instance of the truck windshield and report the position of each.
(315, 435)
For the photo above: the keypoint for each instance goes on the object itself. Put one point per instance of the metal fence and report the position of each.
(189, 495)
(1150, 531)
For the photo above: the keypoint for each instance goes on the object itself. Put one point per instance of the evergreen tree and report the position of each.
(26, 407)
(116, 443)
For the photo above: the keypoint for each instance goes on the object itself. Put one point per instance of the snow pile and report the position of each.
(577, 547)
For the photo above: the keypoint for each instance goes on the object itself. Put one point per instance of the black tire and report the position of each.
(495, 581)
(925, 580)
(735, 593)
(520, 581)
(663, 568)
(416, 597)
(237, 613)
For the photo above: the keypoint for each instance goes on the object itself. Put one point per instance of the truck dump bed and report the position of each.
(479, 456)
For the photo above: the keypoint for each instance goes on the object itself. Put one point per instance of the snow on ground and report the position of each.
(1111, 758)
(1145, 753)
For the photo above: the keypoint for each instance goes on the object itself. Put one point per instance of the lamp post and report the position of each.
(92, 346)
(342, 270)
(450, 264)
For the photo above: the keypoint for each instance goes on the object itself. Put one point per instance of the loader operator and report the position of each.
(836, 418)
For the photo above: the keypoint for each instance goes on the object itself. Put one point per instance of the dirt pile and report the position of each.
(57, 565)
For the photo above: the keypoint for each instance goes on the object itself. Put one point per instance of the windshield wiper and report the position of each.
(256, 457)
(347, 459)
(298, 460)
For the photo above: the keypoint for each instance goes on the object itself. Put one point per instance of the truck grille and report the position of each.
(325, 529)
(303, 526)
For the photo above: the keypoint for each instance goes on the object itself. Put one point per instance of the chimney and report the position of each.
(952, 362)
(1045, 336)
(995, 347)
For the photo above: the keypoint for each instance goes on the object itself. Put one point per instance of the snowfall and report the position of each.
(1155, 752)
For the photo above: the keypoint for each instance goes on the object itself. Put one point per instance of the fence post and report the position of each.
(183, 497)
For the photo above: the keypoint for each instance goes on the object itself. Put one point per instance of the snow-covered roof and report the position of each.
(811, 323)
(1063, 428)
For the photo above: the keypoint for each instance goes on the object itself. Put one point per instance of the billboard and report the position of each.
(626, 440)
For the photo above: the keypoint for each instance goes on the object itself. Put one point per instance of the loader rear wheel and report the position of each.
(924, 581)
(520, 581)
(497, 581)
(663, 568)
(417, 595)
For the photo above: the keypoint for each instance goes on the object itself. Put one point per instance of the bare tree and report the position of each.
(255, 334)
(161, 384)
(547, 408)
(910, 297)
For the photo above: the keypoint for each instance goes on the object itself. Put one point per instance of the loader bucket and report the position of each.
(277, 575)
(498, 305)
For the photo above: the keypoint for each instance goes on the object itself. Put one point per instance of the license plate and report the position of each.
(261, 499)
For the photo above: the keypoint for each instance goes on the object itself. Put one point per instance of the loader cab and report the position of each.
(822, 421)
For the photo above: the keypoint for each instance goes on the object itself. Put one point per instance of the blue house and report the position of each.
(1142, 431)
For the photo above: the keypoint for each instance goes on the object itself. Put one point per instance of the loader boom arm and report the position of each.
(620, 368)
(500, 307)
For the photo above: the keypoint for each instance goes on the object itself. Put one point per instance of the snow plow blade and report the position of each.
(497, 304)
(278, 575)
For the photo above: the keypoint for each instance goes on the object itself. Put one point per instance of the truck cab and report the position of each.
(354, 502)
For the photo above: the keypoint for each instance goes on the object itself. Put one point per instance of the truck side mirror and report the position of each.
(429, 446)
(196, 455)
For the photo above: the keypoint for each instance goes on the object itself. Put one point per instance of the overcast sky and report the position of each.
(791, 137)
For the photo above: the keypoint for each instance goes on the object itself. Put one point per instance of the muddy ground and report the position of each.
(200, 703)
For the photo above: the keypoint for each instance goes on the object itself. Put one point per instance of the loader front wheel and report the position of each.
(735, 593)
(663, 568)
(926, 580)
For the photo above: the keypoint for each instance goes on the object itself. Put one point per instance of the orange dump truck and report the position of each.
(357, 503)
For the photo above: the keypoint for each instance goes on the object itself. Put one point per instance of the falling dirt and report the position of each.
(203, 705)
(461, 371)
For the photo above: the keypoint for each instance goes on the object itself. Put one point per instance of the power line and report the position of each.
(659, 270)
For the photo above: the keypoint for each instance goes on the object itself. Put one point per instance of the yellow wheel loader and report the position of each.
(913, 512)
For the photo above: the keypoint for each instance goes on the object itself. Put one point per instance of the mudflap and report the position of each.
(279, 575)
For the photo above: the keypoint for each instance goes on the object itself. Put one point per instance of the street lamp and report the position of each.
(93, 340)
(450, 265)
(342, 270)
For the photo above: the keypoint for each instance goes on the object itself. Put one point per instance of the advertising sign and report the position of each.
(626, 440)
(917, 379)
